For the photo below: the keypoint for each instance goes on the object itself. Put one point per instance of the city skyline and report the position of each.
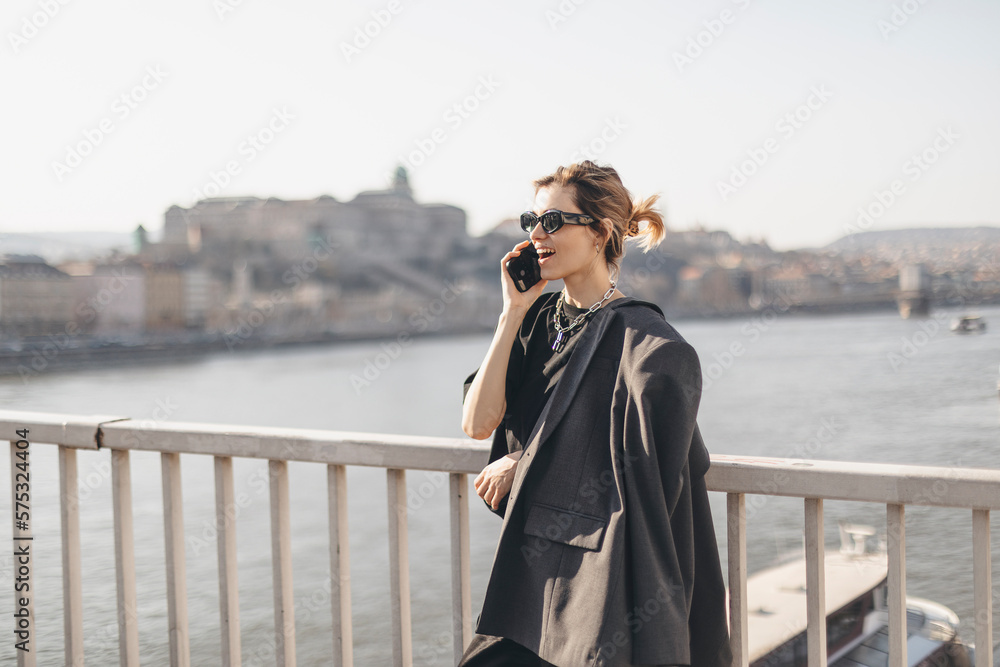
(798, 123)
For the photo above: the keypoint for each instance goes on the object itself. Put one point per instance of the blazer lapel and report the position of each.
(566, 388)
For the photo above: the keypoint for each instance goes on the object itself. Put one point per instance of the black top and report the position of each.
(533, 370)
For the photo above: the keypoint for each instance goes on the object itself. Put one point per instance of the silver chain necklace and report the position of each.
(559, 343)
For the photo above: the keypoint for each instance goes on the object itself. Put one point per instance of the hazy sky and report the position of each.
(766, 118)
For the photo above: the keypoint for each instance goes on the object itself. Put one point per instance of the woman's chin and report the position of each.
(553, 272)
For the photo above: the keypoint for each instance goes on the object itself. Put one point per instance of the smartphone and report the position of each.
(524, 269)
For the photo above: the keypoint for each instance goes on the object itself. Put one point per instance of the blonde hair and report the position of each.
(599, 192)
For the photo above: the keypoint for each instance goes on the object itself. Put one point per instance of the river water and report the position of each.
(862, 387)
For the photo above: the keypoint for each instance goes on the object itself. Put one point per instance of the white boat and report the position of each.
(968, 324)
(857, 613)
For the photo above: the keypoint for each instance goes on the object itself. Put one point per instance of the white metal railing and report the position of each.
(896, 486)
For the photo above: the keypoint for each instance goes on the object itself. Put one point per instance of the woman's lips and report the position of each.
(543, 257)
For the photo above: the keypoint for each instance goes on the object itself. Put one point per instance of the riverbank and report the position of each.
(63, 353)
(60, 353)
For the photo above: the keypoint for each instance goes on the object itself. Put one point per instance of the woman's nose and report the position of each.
(538, 232)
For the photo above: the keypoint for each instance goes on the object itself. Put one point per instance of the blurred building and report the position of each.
(914, 297)
(377, 224)
(110, 298)
(313, 265)
(164, 298)
(36, 299)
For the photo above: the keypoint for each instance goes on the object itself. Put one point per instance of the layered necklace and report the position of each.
(557, 316)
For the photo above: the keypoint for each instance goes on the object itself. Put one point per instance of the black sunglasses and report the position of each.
(552, 220)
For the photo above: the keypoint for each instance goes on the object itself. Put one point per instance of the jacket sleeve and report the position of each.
(662, 420)
(684, 554)
(468, 384)
(658, 426)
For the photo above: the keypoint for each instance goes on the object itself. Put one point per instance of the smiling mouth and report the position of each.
(545, 253)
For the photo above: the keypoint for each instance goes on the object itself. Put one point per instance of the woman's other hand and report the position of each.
(494, 482)
(512, 299)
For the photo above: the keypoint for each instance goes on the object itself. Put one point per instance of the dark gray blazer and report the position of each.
(607, 554)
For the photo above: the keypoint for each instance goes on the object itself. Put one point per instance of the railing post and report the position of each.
(229, 590)
(815, 583)
(461, 587)
(281, 564)
(736, 542)
(982, 582)
(69, 509)
(340, 567)
(399, 570)
(173, 527)
(896, 529)
(128, 629)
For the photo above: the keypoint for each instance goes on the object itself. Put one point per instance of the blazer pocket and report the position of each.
(565, 526)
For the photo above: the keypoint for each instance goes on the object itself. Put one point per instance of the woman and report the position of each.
(607, 554)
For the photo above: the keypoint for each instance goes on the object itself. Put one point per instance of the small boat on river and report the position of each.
(968, 324)
(857, 613)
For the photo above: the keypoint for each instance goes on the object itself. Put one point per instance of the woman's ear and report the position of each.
(597, 235)
(607, 228)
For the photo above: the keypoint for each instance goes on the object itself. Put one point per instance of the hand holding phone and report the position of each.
(524, 269)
